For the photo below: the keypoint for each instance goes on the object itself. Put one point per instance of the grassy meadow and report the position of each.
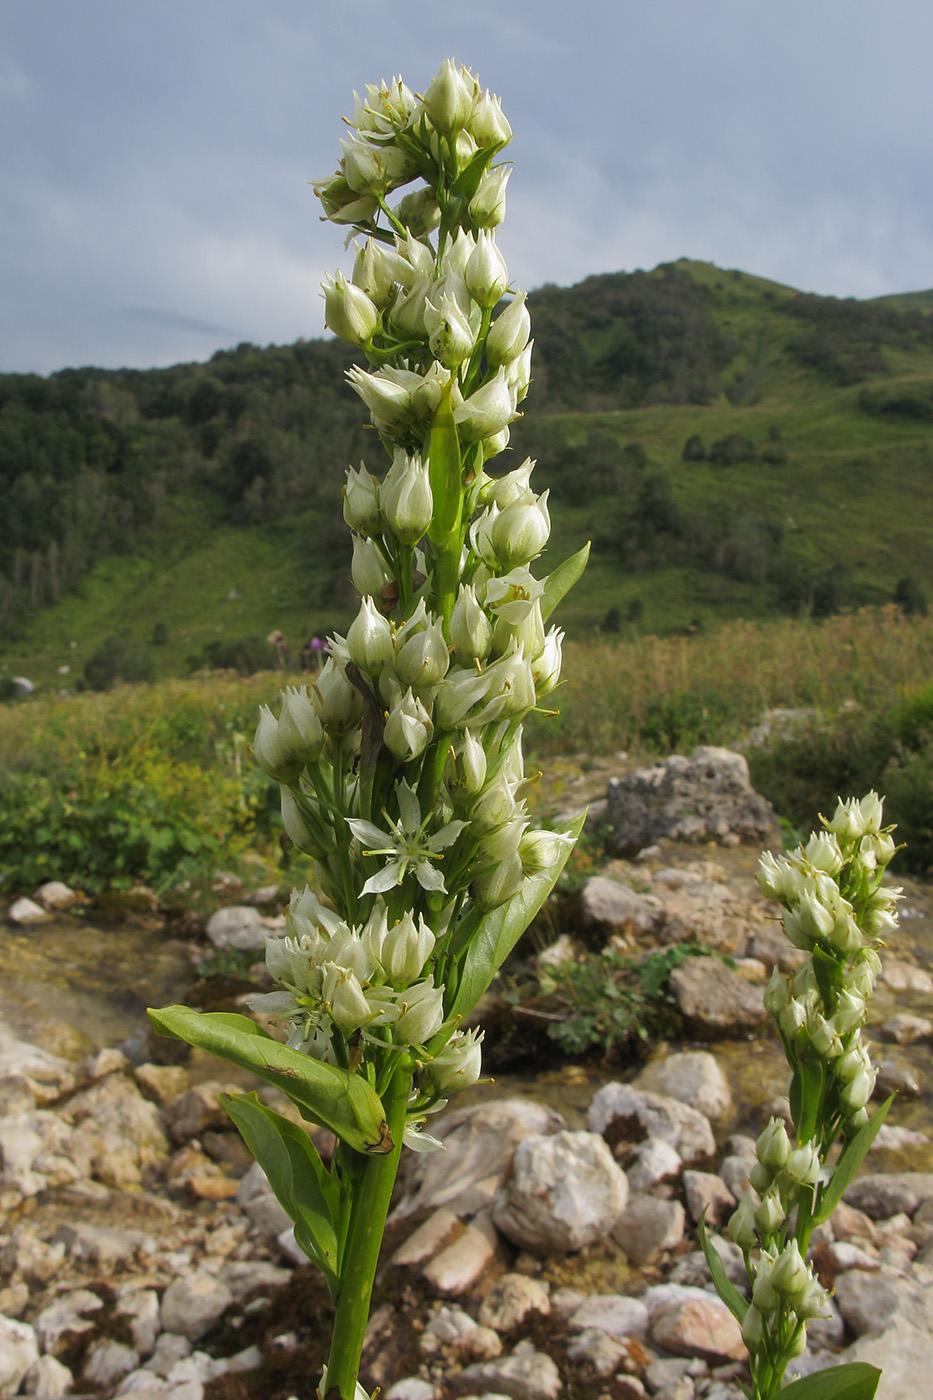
(155, 783)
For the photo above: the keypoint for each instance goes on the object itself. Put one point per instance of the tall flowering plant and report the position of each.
(401, 766)
(837, 912)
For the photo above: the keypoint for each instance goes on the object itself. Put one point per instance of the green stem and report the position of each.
(369, 1206)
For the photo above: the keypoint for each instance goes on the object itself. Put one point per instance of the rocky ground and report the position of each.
(551, 1249)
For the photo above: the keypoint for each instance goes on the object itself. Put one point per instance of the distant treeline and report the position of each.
(91, 461)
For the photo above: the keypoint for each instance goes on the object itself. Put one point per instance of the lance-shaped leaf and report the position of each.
(562, 579)
(327, 1095)
(853, 1154)
(855, 1381)
(501, 929)
(727, 1291)
(302, 1184)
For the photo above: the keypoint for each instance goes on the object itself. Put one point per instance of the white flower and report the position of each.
(407, 845)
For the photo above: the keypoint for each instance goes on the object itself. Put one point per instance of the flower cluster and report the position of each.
(401, 764)
(835, 909)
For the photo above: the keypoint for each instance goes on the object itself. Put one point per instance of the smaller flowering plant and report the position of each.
(837, 911)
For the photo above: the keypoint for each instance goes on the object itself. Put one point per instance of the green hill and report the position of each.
(733, 448)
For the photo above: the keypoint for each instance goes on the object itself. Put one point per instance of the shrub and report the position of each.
(119, 658)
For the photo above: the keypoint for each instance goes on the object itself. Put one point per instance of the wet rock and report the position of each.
(714, 1000)
(565, 1191)
(27, 911)
(18, 1351)
(525, 1375)
(699, 1326)
(648, 1226)
(624, 1114)
(881, 1195)
(511, 1299)
(480, 1142)
(239, 926)
(607, 903)
(56, 897)
(192, 1304)
(706, 797)
(692, 1076)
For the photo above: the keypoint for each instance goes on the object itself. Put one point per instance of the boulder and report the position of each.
(564, 1192)
(706, 797)
(238, 926)
(56, 897)
(647, 1226)
(714, 1000)
(694, 1077)
(624, 1114)
(607, 903)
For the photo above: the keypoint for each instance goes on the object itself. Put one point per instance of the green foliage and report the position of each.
(607, 1001)
(119, 658)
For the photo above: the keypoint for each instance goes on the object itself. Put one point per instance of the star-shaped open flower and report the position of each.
(407, 845)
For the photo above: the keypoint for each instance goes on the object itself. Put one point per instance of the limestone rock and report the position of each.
(18, 1351)
(525, 1375)
(700, 1326)
(565, 1191)
(613, 905)
(238, 926)
(107, 1363)
(714, 1000)
(198, 1110)
(647, 1226)
(694, 1077)
(66, 1318)
(654, 1163)
(613, 1313)
(624, 1114)
(464, 1261)
(192, 1304)
(867, 1302)
(117, 1132)
(256, 1197)
(705, 1191)
(706, 797)
(55, 896)
(27, 911)
(48, 1379)
(881, 1195)
(511, 1299)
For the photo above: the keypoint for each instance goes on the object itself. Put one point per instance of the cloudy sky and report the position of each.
(155, 154)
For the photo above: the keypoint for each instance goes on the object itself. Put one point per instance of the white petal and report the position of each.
(371, 836)
(428, 877)
(409, 810)
(385, 879)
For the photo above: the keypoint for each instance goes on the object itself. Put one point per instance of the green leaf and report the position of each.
(856, 1381)
(561, 580)
(806, 1093)
(730, 1295)
(331, 1097)
(853, 1154)
(444, 474)
(501, 929)
(302, 1184)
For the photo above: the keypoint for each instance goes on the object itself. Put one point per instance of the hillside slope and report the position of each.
(733, 447)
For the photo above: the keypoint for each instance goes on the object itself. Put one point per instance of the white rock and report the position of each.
(256, 1197)
(66, 1316)
(411, 1388)
(647, 1226)
(565, 1191)
(622, 1112)
(26, 911)
(191, 1305)
(654, 1162)
(54, 895)
(140, 1306)
(48, 1379)
(614, 1313)
(867, 1301)
(511, 1299)
(525, 1375)
(107, 1363)
(18, 1351)
(238, 926)
(692, 1076)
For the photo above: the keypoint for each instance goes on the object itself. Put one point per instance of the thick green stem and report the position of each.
(369, 1206)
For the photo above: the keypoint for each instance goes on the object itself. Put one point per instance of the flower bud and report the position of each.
(340, 704)
(509, 334)
(368, 569)
(488, 126)
(372, 272)
(858, 1091)
(369, 638)
(793, 1018)
(408, 728)
(345, 999)
(348, 311)
(773, 1146)
(419, 211)
(742, 1225)
(421, 1013)
(521, 530)
(500, 882)
(803, 1165)
(486, 274)
(449, 333)
(296, 827)
(457, 1066)
(753, 1329)
(790, 1276)
(423, 659)
(450, 99)
(822, 851)
(274, 756)
(388, 401)
(300, 725)
(486, 412)
(405, 498)
(470, 628)
(487, 207)
(518, 373)
(541, 850)
(776, 995)
(769, 1215)
(342, 204)
(406, 949)
(361, 502)
(545, 669)
(764, 1295)
(372, 170)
